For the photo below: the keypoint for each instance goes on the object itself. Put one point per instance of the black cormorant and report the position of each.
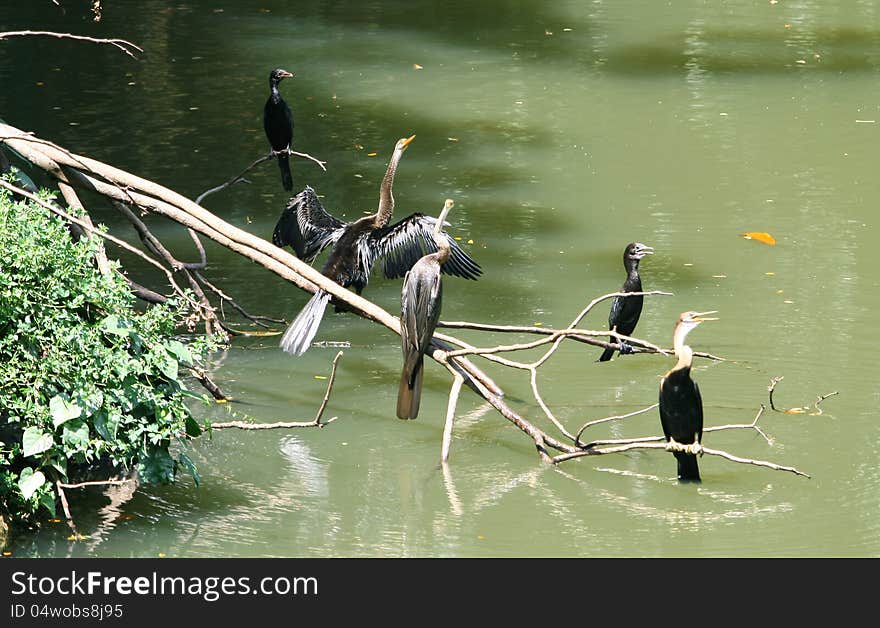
(681, 407)
(625, 311)
(420, 304)
(278, 123)
(307, 227)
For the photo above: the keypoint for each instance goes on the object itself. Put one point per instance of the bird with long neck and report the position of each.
(625, 311)
(307, 227)
(420, 304)
(278, 124)
(681, 406)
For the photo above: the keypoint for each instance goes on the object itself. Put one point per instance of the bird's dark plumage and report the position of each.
(625, 311)
(356, 246)
(420, 305)
(278, 124)
(681, 405)
(681, 414)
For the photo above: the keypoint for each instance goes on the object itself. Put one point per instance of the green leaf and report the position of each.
(157, 466)
(180, 351)
(59, 464)
(106, 424)
(48, 500)
(166, 364)
(111, 325)
(76, 435)
(192, 427)
(35, 441)
(191, 467)
(30, 481)
(63, 409)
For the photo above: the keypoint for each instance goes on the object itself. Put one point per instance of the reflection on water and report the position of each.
(563, 131)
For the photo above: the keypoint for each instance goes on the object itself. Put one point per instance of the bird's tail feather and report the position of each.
(298, 337)
(607, 354)
(286, 177)
(688, 469)
(409, 394)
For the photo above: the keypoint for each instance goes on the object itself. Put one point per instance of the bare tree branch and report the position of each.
(239, 178)
(672, 446)
(125, 46)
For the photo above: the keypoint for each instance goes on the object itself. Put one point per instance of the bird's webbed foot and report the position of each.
(625, 348)
(695, 448)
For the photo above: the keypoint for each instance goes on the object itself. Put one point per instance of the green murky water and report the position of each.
(563, 131)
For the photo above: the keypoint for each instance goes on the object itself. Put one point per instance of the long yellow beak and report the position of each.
(701, 316)
(408, 140)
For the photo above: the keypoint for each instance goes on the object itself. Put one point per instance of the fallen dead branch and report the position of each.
(453, 353)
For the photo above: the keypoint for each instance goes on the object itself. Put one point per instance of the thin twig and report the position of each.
(226, 298)
(240, 175)
(93, 483)
(329, 389)
(676, 447)
(233, 180)
(59, 488)
(771, 388)
(454, 391)
(753, 425)
(588, 424)
(820, 399)
(122, 44)
(320, 163)
(316, 422)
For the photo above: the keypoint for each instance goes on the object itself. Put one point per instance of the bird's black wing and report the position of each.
(699, 412)
(614, 314)
(402, 244)
(306, 226)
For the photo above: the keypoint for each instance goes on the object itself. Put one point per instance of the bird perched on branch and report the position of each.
(420, 304)
(625, 311)
(278, 123)
(681, 406)
(307, 227)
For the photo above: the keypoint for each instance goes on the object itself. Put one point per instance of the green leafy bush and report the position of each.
(87, 384)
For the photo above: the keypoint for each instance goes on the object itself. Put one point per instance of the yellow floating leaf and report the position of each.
(452, 139)
(538, 324)
(416, 66)
(372, 154)
(796, 411)
(161, 554)
(457, 238)
(470, 241)
(770, 273)
(358, 147)
(7, 553)
(320, 377)
(760, 236)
